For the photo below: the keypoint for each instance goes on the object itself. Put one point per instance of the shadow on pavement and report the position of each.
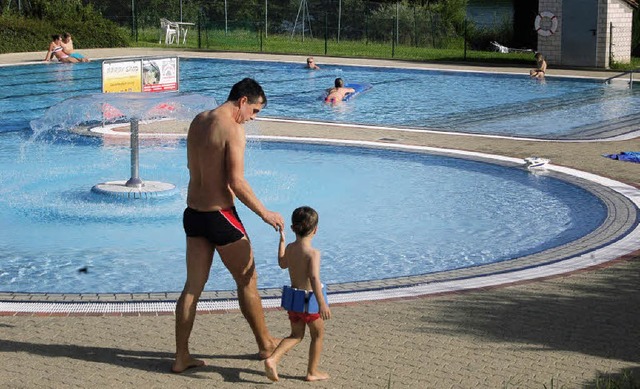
(150, 361)
(600, 318)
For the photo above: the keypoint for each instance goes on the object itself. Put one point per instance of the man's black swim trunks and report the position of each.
(219, 227)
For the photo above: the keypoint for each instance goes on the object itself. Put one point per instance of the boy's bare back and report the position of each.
(300, 258)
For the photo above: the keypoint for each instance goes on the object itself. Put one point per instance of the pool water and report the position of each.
(498, 104)
(382, 214)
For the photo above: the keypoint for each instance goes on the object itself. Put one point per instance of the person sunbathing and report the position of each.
(67, 47)
(56, 50)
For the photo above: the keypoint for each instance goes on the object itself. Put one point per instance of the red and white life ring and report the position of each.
(546, 31)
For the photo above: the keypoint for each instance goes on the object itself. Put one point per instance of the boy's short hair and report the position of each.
(250, 88)
(304, 220)
(338, 83)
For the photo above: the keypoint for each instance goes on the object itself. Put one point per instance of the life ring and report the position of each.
(554, 23)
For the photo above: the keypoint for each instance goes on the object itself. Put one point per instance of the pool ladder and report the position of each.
(629, 72)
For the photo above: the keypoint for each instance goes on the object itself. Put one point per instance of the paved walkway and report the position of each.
(562, 331)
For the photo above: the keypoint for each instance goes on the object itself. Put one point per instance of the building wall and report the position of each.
(551, 46)
(614, 44)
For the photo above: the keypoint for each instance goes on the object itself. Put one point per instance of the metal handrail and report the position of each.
(629, 72)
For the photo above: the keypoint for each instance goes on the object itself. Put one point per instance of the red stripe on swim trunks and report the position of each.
(231, 218)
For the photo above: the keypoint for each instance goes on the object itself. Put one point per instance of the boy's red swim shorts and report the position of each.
(304, 316)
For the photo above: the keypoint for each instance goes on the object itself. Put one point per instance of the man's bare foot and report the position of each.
(271, 368)
(266, 353)
(179, 367)
(319, 376)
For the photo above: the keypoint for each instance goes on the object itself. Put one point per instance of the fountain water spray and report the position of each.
(83, 114)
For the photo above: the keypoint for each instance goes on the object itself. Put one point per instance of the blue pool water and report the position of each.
(382, 213)
(452, 101)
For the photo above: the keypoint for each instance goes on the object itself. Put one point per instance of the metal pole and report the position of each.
(465, 39)
(326, 30)
(339, 17)
(265, 19)
(180, 11)
(225, 17)
(134, 181)
(610, 44)
(397, 23)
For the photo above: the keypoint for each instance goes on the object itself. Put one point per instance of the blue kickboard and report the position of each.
(360, 87)
(298, 300)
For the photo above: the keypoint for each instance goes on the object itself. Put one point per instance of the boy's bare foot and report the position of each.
(266, 353)
(319, 376)
(271, 368)
(179, 366)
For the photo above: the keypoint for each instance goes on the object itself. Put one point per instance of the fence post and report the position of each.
(366, 28)
(610, 44)
(397, 22)
(326, 30)
(465, 39)
(260, 32)
(415, 27)
(393, 42)
(199, 28)
(133, 18)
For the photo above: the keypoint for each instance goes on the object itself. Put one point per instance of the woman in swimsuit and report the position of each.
(55, 49)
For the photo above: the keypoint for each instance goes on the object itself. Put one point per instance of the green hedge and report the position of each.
(19, 34)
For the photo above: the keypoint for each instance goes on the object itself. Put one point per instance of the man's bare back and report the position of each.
(336, 95)
(206, 149)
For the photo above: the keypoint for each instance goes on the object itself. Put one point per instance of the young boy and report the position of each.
(303, 262)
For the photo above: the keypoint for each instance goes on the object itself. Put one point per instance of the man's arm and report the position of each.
(239, 185)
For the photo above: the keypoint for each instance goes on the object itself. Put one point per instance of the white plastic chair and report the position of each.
(169, 29)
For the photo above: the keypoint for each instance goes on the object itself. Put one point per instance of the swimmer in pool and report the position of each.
(311, 64)
(541, 67)
(336, 94)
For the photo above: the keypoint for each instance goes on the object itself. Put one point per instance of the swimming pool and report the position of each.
(384, 214)
(496, 104)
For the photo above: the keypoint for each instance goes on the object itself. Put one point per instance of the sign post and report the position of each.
(139, 75)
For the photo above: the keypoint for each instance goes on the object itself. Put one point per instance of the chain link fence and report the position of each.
(329, 27)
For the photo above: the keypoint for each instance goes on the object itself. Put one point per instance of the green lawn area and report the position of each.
(250, 41)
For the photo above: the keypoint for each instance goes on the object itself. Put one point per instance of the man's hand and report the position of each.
(274, 219)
